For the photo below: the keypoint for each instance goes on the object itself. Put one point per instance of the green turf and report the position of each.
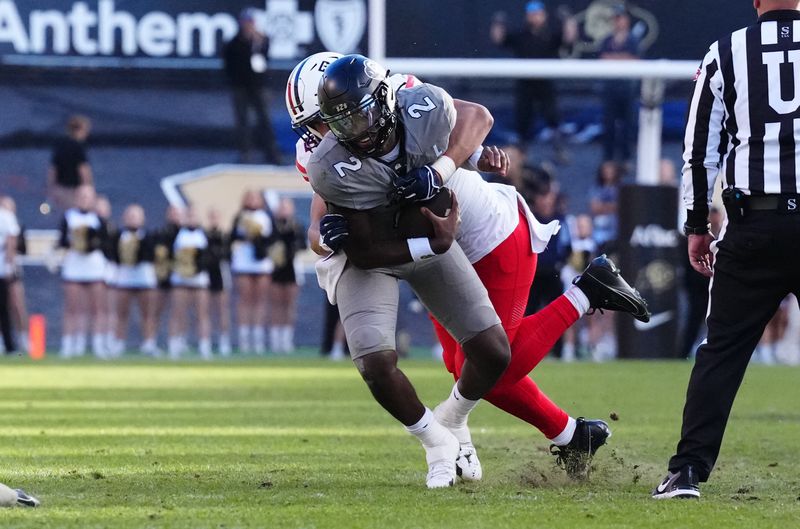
(291, 444)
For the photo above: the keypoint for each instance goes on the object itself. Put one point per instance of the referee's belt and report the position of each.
(782, 203)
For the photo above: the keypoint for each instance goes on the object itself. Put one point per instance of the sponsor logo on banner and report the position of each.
(341, 23)
(654, 236)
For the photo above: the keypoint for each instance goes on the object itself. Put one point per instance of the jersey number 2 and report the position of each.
(354, 165)
(415, 109)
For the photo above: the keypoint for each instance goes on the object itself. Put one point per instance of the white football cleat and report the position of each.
(442, 463)
(468, 466)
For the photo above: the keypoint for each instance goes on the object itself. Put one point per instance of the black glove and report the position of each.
(334, 231)
(417, 185)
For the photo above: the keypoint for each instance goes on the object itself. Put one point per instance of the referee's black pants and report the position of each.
(757, 265)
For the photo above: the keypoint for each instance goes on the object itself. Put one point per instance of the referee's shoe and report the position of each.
(681, 484)
(607, 289)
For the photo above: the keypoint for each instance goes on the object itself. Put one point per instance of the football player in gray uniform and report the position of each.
(377, 137)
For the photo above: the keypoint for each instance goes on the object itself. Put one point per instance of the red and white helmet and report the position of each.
(301, 94)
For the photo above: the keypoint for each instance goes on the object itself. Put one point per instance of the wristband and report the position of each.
(472, 161)
(445, 166)
(420, 248)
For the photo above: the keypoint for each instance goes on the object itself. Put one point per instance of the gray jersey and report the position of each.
(427, 115)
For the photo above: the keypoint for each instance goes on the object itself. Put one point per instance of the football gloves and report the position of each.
(417, 185)
(333, 231)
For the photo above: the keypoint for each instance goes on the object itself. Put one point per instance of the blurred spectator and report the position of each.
(547, 281)
(603, 198)
(584, 249)
(251, 236)
(132, 250)
(289, 238)
(540, 39)
(219, 279)
(16, 288)
(619, 96)
(245, 63)
(189, 281)
(696, 295)
(9, 231)
(83, 269)
(69, 164)
(773, 335)
(787, 350)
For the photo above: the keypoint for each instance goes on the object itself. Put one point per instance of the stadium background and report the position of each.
(156, 116)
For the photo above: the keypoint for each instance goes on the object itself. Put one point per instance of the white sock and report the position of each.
(205, 348)
(566, 435)
(225, 344)
(99, 345)
(337, 352)
(275, 343)
(67, 345)
(174, 346)
(454, 411)
(258, 339)
(22, 342)
(428, 430)
(578, 299)
(149, 346)
(287, 338)
(79, 344)
(244, 339)
(111, 340)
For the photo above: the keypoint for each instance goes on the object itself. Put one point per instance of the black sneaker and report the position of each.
(26, 500)
(681, 484)
(575, 457)
(606, 289)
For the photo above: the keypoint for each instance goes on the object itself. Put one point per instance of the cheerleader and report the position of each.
(219, 279)
(289, 237)
(133, 252)
(16, 287)
(250, 237)
(102, 206)
(164, 239)
(190, 282)
(83, 269)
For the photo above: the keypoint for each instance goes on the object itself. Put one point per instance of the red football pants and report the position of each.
(507, 273)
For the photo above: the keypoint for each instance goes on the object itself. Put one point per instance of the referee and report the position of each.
(744, 125)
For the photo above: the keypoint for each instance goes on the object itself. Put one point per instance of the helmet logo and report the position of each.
(374, 70)
(341, 107)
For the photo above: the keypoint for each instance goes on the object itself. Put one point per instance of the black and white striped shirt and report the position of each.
(744, 116)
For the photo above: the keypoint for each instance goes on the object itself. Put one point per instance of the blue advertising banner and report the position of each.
(182, 34)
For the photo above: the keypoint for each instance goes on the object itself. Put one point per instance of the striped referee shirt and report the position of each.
(744, 116)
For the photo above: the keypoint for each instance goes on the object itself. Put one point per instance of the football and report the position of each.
(407, 221)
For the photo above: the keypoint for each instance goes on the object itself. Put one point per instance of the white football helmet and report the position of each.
(301, 94)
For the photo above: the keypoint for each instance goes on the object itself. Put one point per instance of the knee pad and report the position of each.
(368, 339)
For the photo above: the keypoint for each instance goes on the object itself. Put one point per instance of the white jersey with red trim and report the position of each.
(490, 214)
(303, 152)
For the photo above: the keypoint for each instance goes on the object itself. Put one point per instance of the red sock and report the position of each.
(526, 401)
(536, 335)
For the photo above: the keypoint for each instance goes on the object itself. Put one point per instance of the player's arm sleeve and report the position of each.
(704, 131)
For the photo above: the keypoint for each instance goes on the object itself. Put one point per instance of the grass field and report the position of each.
(301, 444)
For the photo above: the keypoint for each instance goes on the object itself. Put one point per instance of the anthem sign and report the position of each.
(153, 33)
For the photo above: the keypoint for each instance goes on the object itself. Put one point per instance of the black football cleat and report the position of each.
(682, 484)
(26, 500)
(574, 457)
(607, 289)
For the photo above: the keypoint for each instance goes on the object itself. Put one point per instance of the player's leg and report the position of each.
(451, 290)
(201, 297)
(244, 301)
(367, 302)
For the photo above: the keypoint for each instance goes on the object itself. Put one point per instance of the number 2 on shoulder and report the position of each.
(415, 109)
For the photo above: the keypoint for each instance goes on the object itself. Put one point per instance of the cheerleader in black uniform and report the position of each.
(219, 278)
(289, 238)
(16, 288)
(133, 252)
(189, 287)
(164, 239)
(251, 266)
(102, 206)
(83, 270)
